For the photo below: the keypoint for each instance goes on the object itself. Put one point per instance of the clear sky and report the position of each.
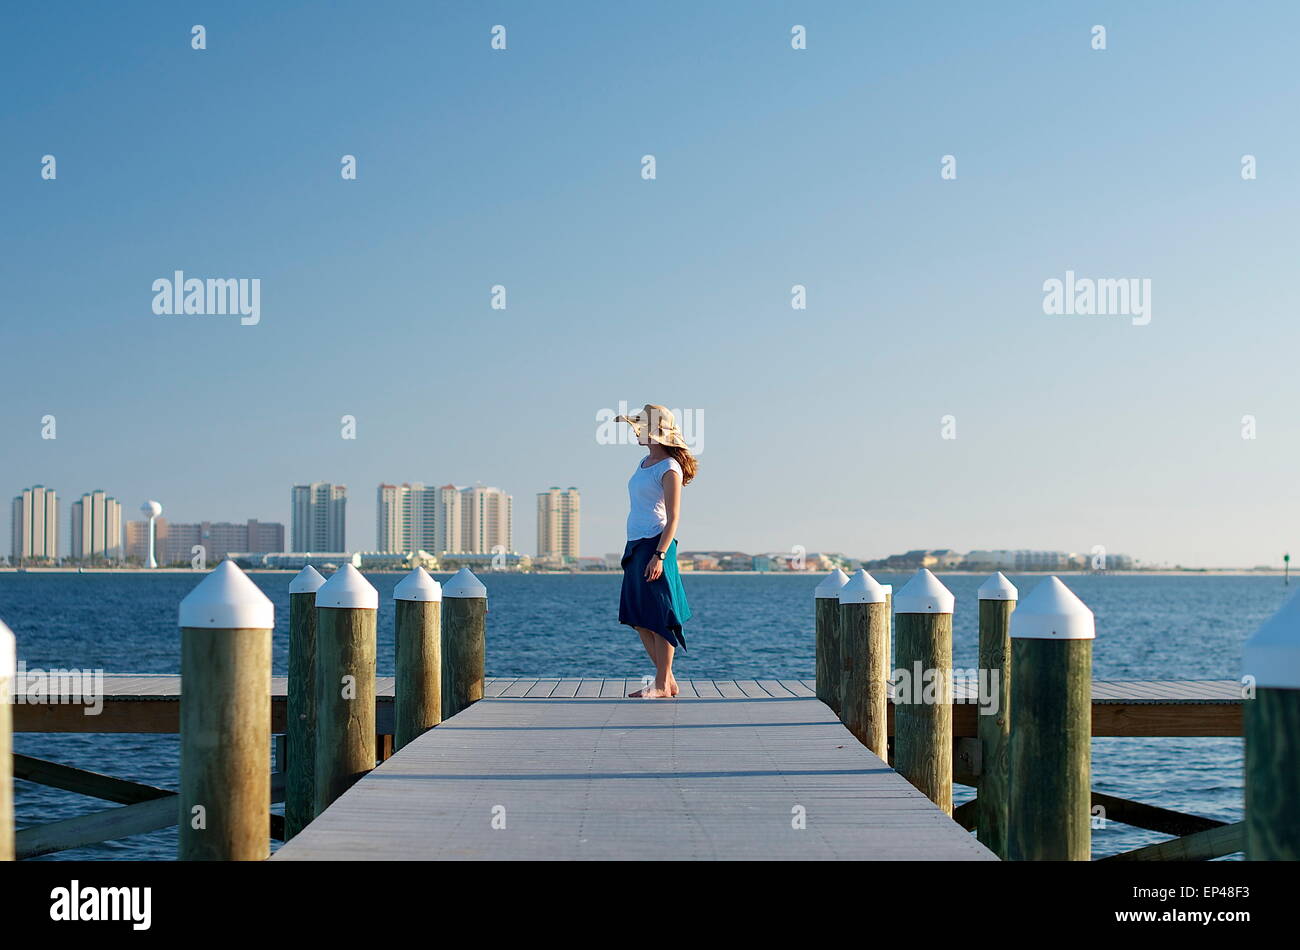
(775, 167)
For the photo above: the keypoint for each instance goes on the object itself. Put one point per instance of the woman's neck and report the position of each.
(657, 452)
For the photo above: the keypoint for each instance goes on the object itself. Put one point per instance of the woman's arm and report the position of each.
(672, 485)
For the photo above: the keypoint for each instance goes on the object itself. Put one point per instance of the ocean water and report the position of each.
(744, 627)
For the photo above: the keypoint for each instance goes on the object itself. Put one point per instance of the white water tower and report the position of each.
(151, 510)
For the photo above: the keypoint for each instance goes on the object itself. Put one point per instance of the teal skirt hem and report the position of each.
(659, 605)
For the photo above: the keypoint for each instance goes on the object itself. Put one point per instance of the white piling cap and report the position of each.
(997, 587)
(308, 581)
(418, 585)
(830, 586)
(464, 584)
(924, 594)
(8, 652)
(227, 600)
(862, 589)
(1272, 653)
(1052, 612)
(347, 588)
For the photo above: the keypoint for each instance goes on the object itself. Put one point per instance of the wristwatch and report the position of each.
(661, 554)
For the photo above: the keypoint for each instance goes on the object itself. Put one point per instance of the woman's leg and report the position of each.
(669, 651)
(660, 651)
(648, 641)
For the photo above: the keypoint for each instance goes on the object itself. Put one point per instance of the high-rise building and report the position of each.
(175, 543)
(447, 519)
(486, 526)
(35, 535)
(395, 528)
(319, 517)
(557, 523)
(137, 540)
(96, 527)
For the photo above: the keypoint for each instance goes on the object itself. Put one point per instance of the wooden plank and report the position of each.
(729, 689)
(799, 688)
(520, 687)
(1201, 846)
(566, 689)
(751, 690)
(775, 689)
(113, 823)
(1192, 708)
(697, 781)
(705, 689)
(121, 822)
(1152, 817)
(612, 688)
(967, 814)
(542, 688)
(84, 782)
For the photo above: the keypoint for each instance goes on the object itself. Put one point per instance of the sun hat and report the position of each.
(659, 422)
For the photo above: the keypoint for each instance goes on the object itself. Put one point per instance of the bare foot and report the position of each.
(650, 692)
(672, 685)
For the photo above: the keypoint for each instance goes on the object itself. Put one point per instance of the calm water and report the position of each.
(1186, 627)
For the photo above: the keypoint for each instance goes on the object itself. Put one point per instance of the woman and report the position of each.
(653, 601)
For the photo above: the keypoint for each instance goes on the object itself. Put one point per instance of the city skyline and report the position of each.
(176, 539)
(853, 319)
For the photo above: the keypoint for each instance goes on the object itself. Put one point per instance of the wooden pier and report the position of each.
(571, 740)
(550, 769)
(150, 702)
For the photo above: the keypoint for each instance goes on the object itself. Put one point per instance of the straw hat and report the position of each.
(659, 423)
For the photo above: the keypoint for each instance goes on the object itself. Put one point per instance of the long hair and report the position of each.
(685, 459)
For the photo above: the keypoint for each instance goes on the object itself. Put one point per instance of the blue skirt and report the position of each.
(658, 605)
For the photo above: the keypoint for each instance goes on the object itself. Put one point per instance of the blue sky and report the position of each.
(775, 167)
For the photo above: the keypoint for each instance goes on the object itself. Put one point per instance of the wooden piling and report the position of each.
(417, 635)
(464, 636)
(299, 766)
(225, 727)
(923, 687)
(346, 609)
(997, 599)
(864, 643)
(826, 641)
(1049, 806)
(1272, 731)
(8, 673)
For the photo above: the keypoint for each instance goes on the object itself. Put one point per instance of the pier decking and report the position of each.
(571, 769)
(151, 703)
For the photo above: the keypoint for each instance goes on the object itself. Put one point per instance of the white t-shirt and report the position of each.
(645, 490)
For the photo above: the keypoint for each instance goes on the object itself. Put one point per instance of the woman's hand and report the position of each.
(654, 570)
